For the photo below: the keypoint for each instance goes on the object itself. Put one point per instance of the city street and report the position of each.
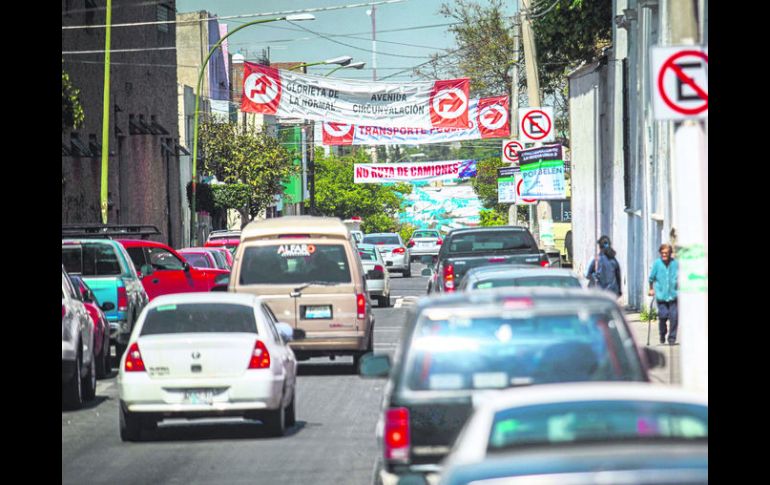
(332, 443)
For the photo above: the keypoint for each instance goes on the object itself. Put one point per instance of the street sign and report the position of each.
(506, 185)
(511, 150)
(521, 200)
(542, 170)
(680, 82)
(536, 124)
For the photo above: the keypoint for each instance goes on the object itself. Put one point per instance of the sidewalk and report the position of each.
(671, 372)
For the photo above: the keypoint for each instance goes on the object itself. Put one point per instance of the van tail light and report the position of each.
(361, 305)
(399, 251)
(397, 437)
(134, 362)
(379, 268)
(544, 264)
(410, 244)
(440, 241)
(449, 278)
(122, 299)
(260, 357)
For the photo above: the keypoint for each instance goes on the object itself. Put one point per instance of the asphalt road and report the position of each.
(332, 443)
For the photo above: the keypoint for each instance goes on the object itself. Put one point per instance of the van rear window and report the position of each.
(483, 241)
(90, 259)
(293, 263)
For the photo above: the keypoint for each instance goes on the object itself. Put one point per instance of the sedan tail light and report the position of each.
(397, 437)
(544, 264)
(260, 357)
(440, 241)
(134, 362)
(410, 244)
(449, 278)
(361, 306)
(122, 299)
(399, 251)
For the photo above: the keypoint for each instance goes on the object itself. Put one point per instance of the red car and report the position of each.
(226, 239)
(200, 258)
(101, 327)
(163, 270)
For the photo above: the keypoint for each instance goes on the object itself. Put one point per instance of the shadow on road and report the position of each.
(96, 401)
(326, 369)
(204, 431)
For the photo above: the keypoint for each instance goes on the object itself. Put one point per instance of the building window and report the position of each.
(561, 210)
(164, 15)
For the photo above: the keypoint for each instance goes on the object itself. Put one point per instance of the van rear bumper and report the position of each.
(330, 343)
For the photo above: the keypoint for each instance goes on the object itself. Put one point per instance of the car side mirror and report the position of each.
(427, 272)
(374, 365)
(146, 270)
(108, 306)
(654, 358)
(186, 267)
(87, 295)
(286, 331)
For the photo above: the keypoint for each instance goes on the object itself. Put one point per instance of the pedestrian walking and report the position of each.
(604, 270)
(568, 245)
(664, 287)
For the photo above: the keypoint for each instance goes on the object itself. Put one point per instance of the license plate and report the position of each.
(317, 312)
(199, 396)
(426, 245)
(388, 263)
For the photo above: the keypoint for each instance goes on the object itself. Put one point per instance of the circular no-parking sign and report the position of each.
(680, 80)
(536, 124)
(511, 150)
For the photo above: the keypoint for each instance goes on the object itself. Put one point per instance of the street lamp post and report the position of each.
(355, 65)
(193, 228)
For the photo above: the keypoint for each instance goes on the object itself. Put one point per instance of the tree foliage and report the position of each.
(491, 217)
(72, 115)
(252, 164)
(336, 195)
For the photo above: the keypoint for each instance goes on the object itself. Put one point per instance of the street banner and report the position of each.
(488, 118)
(506, 185)
(425, 104)
(542, 172)
(382, 173)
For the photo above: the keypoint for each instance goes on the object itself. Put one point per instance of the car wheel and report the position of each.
(275, 421)
(89, 380)
(72, 393)
(103, 362)
(408, 272)
(130, 424)
(291, 413)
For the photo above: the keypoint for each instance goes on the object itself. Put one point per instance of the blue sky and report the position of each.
(289, 42)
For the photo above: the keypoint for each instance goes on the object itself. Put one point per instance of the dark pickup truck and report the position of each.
(464, 249)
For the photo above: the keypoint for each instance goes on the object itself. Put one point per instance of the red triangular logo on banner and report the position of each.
(261, 89)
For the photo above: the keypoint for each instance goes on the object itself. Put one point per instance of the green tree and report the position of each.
(72, 115)
(491, 217)
(336, 195)
(252, 164)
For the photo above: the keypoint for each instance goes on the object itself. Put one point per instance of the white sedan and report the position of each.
(201, 355)
(377, 274)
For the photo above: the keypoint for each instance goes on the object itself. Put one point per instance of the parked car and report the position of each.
(163, 270)
(395, 253)
(200, 355)
(78, 362)
(584, 433)
(309, 273)
(358, 236)
(101, 326)
(424, 242)
(222, 256)
(468, 248)
(377, 275)
(226, 239)
(456, 346)
(198, 258)
(107, 269)
(499, 275)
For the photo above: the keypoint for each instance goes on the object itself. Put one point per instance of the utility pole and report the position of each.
(104, 194)
(513, 213)
(373, 13)
(533, 87)
(691, 195)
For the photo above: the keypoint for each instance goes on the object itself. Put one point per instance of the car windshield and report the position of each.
(424, 234)
(90, 259)
(199, 318)
(288, 263)
(553, 281)
(467, 349)
(569, 422)
(381, 240)
(198, 260)
(484, 241)
(367, 256)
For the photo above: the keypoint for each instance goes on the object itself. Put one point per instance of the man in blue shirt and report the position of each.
(663, 286)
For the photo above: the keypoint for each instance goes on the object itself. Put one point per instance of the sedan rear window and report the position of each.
(291, 263)
(200, 318)
(551, 281)
(489, 351)
(367, 256)
(484, 241)
(197, 260)
(425, 234)
(381, 240)
(567, 422)
(91, 259)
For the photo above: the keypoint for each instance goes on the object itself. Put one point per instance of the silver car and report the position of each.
(425, 242)
(498, 275)
(393, 250)
(377, 275)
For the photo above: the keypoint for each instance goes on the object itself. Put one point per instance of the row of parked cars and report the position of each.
(511, 372)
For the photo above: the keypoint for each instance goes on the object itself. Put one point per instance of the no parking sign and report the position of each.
(680, 82)
(536, 124)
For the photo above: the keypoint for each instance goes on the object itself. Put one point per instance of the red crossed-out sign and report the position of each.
(511, 150)
(449, 103)
(261, 89)
(681, 83)
(337, 134)
(536, 124)
(492, 117)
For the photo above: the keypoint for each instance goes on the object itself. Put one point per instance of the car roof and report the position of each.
(517, 271)
(564, 296)
(72, 241)
(487, 228)
(268, 228)
(206, 297)
(132, 243)
(381, 234)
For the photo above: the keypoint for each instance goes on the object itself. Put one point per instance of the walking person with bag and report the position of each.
(664, 287)
(604, 270)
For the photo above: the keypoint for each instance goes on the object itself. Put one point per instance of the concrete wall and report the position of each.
(141, 84)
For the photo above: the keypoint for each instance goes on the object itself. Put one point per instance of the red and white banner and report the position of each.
(381, 173)
(427, 104)
(488, 118)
